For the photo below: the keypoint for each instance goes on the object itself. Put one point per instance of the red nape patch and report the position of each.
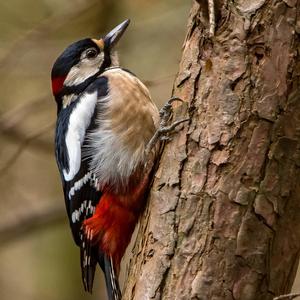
(57, 84)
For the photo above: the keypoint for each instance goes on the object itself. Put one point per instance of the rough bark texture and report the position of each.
(223, 220)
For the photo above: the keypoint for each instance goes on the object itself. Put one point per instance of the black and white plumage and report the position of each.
(105, 120)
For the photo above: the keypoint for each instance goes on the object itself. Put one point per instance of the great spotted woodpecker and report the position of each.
(106, 128)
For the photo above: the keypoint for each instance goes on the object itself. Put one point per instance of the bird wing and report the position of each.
(79, 183)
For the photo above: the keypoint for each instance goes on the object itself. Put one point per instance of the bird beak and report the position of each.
(112, 38)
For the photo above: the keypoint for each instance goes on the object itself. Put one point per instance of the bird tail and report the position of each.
(88, 259)
(88, 266)
(111, 278)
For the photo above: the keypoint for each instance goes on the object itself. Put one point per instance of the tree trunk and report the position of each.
(223, 220)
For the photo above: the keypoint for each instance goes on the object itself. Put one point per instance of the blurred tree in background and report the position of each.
(45, 263)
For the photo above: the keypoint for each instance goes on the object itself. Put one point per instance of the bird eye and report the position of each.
(91, 53)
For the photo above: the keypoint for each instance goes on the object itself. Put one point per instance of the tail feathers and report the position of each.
(112, 282)
(88, 259)
(88, 267)
(90, 255)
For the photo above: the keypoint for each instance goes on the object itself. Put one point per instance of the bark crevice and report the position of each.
(224, 207)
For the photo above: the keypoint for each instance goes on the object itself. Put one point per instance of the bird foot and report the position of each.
(164, 129)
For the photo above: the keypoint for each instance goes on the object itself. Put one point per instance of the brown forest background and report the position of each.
(44, 264)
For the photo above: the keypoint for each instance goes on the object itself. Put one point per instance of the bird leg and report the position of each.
(164, 129)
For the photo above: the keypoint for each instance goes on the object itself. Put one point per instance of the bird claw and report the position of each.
(166, 111)
(164, 129)
(165, 138)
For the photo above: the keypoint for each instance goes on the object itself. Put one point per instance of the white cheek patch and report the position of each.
(78, 123)
(83, 70)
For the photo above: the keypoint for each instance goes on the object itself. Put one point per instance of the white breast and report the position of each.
(127, 120)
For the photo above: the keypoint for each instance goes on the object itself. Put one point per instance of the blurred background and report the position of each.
(38, 259)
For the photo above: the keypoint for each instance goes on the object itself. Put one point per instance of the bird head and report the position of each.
(82, 62)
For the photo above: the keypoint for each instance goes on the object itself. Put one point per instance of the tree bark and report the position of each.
(223, 220)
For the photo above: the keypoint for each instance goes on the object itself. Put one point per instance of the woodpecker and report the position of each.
(106, 131)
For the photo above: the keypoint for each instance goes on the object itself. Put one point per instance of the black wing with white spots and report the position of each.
(81, 195)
